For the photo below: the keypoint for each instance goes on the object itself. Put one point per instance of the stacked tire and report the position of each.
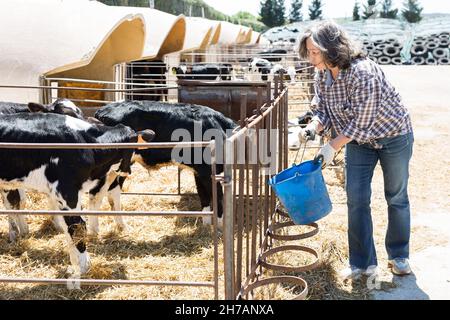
(384, 52)
(431, 50)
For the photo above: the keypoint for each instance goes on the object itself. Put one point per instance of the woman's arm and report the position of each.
(339, 142)
(318, 108)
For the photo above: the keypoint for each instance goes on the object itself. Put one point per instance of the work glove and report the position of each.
(308, 133)
(328, 152)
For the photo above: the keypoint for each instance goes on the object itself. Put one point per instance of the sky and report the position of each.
(331, 8)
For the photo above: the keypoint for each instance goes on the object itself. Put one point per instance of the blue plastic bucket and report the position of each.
(303, 192)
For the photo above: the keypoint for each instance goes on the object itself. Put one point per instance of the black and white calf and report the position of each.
(15, 199)
(64, 174)
(295, 126)
(60, 106)
(164, 119)
(273, 55)
(280, 70)
(210, 71)
(259, 69)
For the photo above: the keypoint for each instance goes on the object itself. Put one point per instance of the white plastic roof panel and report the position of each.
(48, 36)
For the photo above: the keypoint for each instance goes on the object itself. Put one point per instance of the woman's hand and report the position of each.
(329, 150)
(309, 132)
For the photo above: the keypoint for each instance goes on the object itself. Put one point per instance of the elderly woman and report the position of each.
(353, 96)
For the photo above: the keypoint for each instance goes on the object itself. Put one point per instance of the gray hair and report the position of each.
(336, 46)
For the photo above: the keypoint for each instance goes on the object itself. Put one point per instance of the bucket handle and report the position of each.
(318, 159)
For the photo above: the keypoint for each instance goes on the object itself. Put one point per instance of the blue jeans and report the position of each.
(360, 162)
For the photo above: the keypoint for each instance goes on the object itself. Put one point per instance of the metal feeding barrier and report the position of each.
(251, 214)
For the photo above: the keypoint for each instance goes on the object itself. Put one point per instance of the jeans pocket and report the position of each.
(396, 144)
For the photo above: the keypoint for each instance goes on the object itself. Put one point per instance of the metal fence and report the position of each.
(251, 213)
(212, 147)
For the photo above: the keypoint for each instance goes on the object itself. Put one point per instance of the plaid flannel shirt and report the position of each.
(360, 104)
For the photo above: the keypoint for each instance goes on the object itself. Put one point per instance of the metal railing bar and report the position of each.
(83, 89)
(103, 282)
(107, 213)
(151, 145)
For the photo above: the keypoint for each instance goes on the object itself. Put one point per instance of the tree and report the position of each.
(279, 12)
(411, 11)
(386, 11)
(315, 11)
(266, 13)
(370, 9)
(244, 15)
(295, 14)
(356, 15)
(272, 12)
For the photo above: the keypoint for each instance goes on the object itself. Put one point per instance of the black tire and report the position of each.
(444, 35)
(376, 53)
(381, 46)
(418, 61)
(397, 61)
(432, 45)
(374, 59)
(391, 51)
(419, 51)
(419, 43)
(439, 53)
(431, 61)
(444, 43)
(384, 60)
(444, 61)
(369, 48)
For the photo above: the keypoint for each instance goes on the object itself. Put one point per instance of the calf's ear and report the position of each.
(95, 121)
(145, 136)
(37, 107)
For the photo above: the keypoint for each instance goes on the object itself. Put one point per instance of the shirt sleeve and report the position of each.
(318, 108)
(365, 98)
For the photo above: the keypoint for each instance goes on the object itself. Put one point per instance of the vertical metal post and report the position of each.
(212, 147)
(285, 130)
(266, 176)
(280, 126)
(269, 93)
(228, 235)
(254, 211)
(240, 211)
(42, 90)
(179, 179)
(247, 206)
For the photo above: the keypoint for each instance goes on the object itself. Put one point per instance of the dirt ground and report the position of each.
(425, 92)
(158, 248)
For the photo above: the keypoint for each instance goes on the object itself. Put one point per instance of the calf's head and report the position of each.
(143, 136)
(60, 106)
